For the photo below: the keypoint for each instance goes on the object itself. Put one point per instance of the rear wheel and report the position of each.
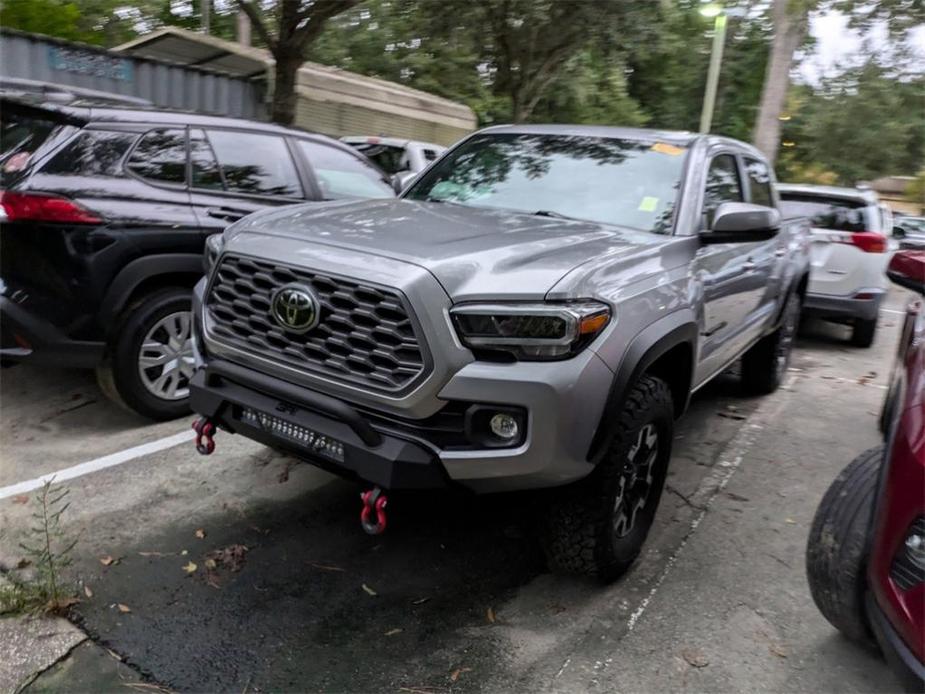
(597, 527)
(151, 360)
(836, 552)
(863, 332)
(765, 365)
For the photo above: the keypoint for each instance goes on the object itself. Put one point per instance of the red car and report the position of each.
(865, 558)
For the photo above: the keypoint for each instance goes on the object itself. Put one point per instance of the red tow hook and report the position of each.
(205, 430)
(374, 501)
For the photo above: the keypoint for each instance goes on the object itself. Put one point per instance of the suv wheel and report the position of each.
(152, 357)
(597, 527)
(863, 331)
(837, 546)
(765, 365)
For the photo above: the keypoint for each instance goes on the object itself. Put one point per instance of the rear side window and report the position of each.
(827, 213)
(344, 175)
(160, 156)
(255, 163)
(759, 182)
(92, 153)
(723, 185)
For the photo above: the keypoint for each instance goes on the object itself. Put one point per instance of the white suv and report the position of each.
(402, 159)
(849, 254)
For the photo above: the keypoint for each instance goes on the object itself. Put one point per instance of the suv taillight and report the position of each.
(39, 207)
(868, 241)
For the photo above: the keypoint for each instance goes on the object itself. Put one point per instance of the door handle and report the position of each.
(780, 252)
(227, 213)
(749, 265)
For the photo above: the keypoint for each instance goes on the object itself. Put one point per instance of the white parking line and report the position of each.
(98, 464)
(892, 310)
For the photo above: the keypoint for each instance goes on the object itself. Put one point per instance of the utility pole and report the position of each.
(716, 59)
(204, 9)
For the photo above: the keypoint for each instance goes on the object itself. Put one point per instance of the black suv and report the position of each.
(104, 213)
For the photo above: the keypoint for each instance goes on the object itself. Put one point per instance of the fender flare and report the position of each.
(678, 328)
(134, 273)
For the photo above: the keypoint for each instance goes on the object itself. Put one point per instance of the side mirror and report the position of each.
(899, 233)
(907, 269)
(742, 222)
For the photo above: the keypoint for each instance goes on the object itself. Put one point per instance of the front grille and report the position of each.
(364, 335)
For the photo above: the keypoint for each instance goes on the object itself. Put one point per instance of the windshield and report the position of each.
(614, 181)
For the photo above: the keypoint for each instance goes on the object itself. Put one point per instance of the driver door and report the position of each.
(725, 272)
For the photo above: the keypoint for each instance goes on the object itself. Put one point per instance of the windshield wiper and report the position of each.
(555, 215)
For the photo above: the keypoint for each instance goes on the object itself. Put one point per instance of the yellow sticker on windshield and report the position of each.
(648, 204)
(665, 148)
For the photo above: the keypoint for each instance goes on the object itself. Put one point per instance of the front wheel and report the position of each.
(597, 527)
(151, 360)
(765, 365)
(836, 550)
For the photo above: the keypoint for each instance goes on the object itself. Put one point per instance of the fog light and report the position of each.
(915, 548)
(504, 426)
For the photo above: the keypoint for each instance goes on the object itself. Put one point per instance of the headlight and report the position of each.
(531, 332)
(214, 245)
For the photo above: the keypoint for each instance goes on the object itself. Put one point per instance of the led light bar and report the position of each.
(304, 437)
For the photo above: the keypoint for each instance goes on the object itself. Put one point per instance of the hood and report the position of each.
(474, 253)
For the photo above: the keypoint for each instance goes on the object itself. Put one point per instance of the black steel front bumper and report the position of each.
(225, 392)
(26, 336)
(904, 663)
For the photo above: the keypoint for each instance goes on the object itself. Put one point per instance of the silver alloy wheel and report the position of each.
(165, 360)
(635, 480)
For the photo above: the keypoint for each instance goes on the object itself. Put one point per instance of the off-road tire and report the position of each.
(863, 332)
(764, 366)
(578, 527)
(118, 376)
(836, 552)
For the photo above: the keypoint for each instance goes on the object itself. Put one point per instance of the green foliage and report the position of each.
(865, 123)
(49, 551)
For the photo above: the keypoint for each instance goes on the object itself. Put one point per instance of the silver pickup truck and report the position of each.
(534, 312)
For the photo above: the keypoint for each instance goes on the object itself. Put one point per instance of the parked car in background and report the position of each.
(105, 211)
(849, 245)
(865, 557)
(534, 312)
(909, 231)
(403, 159)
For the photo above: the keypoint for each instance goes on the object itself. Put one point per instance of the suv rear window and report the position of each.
(827, 213)
(24, 135)
(92, 153)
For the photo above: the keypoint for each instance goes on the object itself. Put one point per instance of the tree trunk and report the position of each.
(286, 72)
(790, 26)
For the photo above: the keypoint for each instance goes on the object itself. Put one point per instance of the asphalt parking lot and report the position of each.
(288, 593)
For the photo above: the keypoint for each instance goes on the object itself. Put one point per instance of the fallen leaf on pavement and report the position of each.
(230, 557)
(108, 561)
(778, 650)
(88, 592)
(457, 672)
(21, 499)
(23, 563)
(190, 567)
(370, 590)
(695, 657)
(790, 521)
(184, 553)
(736, 497)
(490, 615)
(200, 533)
(210, 564)
(326, 567)
(124, 609)
(392, 632)
(114, 655)
(420, 601)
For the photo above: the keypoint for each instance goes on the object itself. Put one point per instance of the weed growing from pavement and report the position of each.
(48, 550)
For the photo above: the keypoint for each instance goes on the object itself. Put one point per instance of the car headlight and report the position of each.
(214, 245)
(531, 332)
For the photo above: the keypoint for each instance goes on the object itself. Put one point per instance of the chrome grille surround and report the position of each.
(367, 335)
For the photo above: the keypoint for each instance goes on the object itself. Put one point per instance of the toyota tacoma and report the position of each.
(533, 312)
